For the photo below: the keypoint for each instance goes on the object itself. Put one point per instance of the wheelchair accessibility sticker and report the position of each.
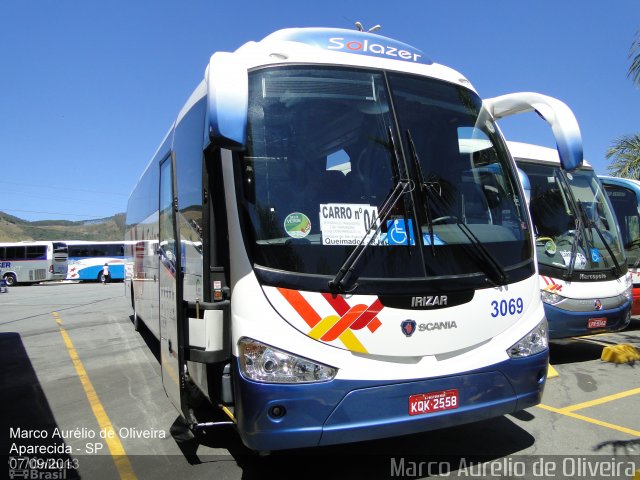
(398, 234)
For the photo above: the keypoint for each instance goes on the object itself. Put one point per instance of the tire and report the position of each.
(11, 279)
(101, 277)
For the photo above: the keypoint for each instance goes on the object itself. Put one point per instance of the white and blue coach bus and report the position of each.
(332, 244)
(584, 281)
(624, 195)
(30, 262)
(87, 259)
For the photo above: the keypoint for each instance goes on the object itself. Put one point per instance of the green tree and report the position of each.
(634, 56)
(625, 150)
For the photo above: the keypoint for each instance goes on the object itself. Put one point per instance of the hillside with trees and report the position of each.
(14, 229)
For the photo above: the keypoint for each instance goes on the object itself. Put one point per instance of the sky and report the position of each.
(89, 88)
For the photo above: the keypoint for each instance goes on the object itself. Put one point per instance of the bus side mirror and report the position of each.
(556, 113)
(227, 101)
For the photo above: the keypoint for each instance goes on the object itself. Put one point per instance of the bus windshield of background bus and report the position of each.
(320, 164)
(558, 232)
(625, 206)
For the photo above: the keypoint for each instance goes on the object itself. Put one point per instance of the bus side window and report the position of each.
(187, 144)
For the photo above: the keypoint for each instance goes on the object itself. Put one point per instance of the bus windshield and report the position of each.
(60, 247)
(324, 154)
(625, 206)
(575, 227)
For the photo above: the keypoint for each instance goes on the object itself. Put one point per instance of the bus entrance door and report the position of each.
(171, 349)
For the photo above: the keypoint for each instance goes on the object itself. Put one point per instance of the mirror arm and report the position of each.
(227, 101)
(556, 113)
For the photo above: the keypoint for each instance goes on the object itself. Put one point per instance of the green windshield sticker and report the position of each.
(297, 225)
(549, 245)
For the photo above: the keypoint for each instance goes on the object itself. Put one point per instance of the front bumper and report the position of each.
(345, 411)
(565, 323)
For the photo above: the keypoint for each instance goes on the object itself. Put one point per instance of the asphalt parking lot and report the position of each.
(79, 384)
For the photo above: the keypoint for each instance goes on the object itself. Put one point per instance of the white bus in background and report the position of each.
(33, 262)
(87, 258)
(327, 265)
(584, 279)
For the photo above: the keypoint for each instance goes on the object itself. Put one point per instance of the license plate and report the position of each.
(599, 322)
(433, 402)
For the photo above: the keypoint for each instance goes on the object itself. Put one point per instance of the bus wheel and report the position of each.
(11, 280)
(101, 277)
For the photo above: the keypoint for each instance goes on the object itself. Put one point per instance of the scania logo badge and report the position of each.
(408, 327)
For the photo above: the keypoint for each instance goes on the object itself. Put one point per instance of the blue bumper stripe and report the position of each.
(565, 323)
(343, 411)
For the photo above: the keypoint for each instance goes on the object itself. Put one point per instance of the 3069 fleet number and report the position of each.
(504, 308)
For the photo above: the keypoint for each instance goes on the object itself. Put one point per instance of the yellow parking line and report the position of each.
(600, 401)
(594, 341)
(552, 372)
(113, 441)
(595, 421)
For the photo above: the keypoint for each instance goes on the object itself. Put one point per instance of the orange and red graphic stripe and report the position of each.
(552, 286)
(339, 326)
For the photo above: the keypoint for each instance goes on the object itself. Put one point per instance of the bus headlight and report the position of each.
(550, 297)
(536, 341)
(267, 364)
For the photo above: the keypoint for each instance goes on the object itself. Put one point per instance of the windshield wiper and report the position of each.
(574, 249)
(560, 175)
(396, 177)
(423, 189)
(341, 280)
(617, 269)
(583, 220)
(494, 271)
